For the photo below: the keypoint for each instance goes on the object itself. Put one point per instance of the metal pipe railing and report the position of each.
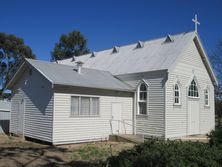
(124, 125)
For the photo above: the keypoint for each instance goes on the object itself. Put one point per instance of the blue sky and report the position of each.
(108, 23)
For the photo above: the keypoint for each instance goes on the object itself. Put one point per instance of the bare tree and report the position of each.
(216, 60)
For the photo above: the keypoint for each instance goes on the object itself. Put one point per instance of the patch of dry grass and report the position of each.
(12, 141)
(15, 151)
(98, 151)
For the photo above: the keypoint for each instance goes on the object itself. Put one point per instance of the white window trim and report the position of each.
(142, 101)
(198, 88)
(83, 116)
(179, 89)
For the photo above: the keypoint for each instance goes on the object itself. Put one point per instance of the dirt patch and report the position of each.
(14, 152)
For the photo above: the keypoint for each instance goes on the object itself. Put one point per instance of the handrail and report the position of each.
(126, 123)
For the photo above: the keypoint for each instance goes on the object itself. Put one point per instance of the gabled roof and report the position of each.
(67, 75)
(158, 54)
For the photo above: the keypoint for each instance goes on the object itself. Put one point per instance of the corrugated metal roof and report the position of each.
(154, 55)
(5, 106)
(68, 75)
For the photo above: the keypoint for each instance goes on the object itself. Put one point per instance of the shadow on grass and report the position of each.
(28, 156)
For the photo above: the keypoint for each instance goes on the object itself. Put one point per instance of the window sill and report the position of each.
(191, 97)
(142, 115)
(84, 116)
(207, 106)
(177, 105)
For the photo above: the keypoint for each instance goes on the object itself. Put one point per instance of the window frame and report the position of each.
(197, 87)
(142, 101)
(179, 92)
(79, 107)
(208, 97)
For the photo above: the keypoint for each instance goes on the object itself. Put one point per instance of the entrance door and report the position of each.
(193, 117)
(116, 117)
(21, 108)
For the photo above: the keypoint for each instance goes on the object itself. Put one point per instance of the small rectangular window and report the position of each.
(206, 97)
(176, 94)
(95, 106)
(142, 108)
(74, 106)
(84, 106)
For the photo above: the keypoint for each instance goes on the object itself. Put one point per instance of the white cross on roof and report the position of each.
(196, 22)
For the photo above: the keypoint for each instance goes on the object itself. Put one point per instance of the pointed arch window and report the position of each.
(176, 94)
(142, 98)
(206, 97)
(193, 90)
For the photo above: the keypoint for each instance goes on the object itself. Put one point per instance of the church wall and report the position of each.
(189, 65)
(153, 123)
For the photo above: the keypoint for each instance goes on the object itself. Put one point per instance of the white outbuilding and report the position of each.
(5, 108)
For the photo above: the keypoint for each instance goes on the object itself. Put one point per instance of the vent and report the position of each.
(115, 49)
(79, 66)
(73, 58)
(93, 54)
(140, 44)
(168, 39)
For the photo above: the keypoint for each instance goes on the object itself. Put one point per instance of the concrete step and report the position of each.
(194, 138)
(127, 138)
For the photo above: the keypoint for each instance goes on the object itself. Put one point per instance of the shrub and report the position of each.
(216, 136)
(156, 153)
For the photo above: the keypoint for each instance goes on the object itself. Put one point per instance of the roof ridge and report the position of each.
(43, 61)
(125, 45)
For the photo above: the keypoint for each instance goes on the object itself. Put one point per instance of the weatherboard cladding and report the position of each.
(68, 75)
(80, 129)
(189, 65)
(153, 123)
(36, 91)
(154, 55)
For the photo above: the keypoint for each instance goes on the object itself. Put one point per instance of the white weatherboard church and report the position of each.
(162, 87)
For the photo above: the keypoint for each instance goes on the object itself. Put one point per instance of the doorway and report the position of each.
(21, 108)
(116, 117)
(193, 117)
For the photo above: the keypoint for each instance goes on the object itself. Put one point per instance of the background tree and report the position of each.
(216, 60)
(69, 45)
(12, 54)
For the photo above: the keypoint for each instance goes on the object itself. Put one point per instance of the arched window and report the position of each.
(176, 94)
(206, 97)
(142, 98)
(193, 90)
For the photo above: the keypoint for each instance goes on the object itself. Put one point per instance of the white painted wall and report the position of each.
(153, 123)
(38, 97)
(176, 116)
(68, 129)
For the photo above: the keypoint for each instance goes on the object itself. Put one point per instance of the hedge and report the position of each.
(160, 153)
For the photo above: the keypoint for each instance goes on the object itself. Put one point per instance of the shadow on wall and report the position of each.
(4, 126)
(40, 96)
